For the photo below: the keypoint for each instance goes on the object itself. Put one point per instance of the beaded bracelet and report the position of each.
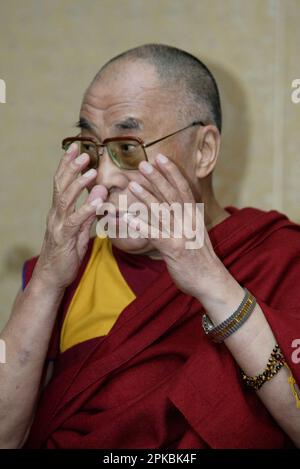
(275, 363)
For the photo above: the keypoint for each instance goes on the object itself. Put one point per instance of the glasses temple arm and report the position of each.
(146, 145)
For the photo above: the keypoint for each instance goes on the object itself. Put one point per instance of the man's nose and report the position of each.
(108, 172)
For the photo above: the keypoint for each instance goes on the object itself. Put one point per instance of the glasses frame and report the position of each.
(105, 142)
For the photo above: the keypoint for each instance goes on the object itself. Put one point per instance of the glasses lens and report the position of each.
(90, 148)
(126, 154)
(85, 146)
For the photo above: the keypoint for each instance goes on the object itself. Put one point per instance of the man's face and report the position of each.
(129, 100)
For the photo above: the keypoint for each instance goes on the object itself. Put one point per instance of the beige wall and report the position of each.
(49, 50)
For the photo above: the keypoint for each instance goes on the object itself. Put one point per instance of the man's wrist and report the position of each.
(222, 295)
(41, 283)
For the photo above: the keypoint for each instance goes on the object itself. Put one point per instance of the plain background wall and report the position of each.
(49, 52)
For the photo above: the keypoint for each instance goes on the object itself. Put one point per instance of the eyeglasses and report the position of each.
(125, 152)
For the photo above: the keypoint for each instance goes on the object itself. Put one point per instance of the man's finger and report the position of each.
(160, 184)
(97, 191)
(69, 168)
(74, 222)
(172, 173)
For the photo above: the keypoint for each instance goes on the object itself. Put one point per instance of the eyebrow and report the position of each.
(130, 123)
(83, 123)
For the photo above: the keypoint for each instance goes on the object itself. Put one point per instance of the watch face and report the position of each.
(207, 324)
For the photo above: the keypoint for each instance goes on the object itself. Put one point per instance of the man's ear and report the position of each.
(207, 151)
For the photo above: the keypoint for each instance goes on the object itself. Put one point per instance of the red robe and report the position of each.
(155, 380)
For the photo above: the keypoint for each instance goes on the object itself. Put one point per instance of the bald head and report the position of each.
(180, 72)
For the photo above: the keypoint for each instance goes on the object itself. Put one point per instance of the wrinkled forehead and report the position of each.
(127, 90)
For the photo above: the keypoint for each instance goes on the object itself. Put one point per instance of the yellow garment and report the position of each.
(100, 297)
(293, 385)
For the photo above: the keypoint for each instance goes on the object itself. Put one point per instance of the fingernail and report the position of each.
(71, 148)
(97, 202)
(146, 167)
(135, 187)
(81, 158)
(162, 158)
(90, 173)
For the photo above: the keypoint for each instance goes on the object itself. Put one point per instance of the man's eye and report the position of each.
(90, 149)
(127, 147)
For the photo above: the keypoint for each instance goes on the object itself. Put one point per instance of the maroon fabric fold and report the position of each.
(155, 381)
(138, 271)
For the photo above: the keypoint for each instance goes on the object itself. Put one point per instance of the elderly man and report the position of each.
(138, 341)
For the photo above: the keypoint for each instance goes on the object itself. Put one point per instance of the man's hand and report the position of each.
(191, 269)
(68, 229)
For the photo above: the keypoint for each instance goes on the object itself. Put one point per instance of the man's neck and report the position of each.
(215, 216)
